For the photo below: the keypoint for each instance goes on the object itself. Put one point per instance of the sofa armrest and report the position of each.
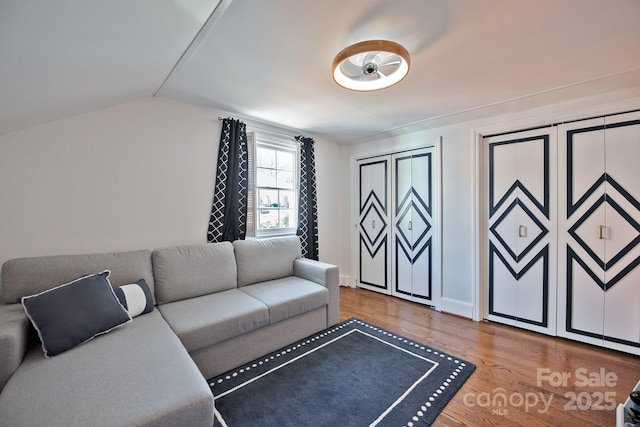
(14, 334)
(327, 275)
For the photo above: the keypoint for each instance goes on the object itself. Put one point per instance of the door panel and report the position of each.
(581, 248)
(522, 229)
(600, 232)
(373, 223)
(622, 234)
(414, 225)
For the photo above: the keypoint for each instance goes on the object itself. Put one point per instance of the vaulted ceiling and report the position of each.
(270, 61)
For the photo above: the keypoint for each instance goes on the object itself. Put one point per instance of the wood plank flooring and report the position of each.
(508, 361)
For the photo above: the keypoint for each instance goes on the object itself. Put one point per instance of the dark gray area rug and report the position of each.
(352, 374)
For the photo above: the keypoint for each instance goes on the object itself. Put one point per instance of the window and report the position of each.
(273, 191)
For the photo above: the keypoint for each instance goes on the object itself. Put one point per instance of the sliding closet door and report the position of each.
(522, 229)
(599, 245)
(374, 196)
(415, 234)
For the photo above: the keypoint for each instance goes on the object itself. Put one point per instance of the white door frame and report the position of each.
(354, 214)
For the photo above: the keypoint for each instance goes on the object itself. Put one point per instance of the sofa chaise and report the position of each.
(213, 307)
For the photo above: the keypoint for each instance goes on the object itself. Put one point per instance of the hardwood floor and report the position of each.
(508, 361)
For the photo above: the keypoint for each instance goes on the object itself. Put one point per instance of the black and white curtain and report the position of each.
(308, 200)
(228, 219)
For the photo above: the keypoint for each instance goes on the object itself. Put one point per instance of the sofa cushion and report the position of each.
(209, 319)
(138, 375)
(267, 259)
(28, 276)
(14, 327)
(136, 298)
(189, 271)
(75, 312)
(289, 296)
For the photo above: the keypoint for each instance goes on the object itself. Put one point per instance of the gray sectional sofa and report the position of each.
(217, 306)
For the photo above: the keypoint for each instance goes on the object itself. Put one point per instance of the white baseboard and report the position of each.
(448, 305)
(457, 307)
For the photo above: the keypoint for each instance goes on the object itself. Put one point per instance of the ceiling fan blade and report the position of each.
(350, 69)
(371, 57)
(395, 62)
(365, 77)
(388, 69)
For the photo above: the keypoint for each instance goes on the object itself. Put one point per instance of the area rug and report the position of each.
(352, 374)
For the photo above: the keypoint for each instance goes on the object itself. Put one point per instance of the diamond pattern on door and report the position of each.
(413, 212)
(413, 226)
(535, 230)
(601, 239)
(398, 234)
(373, 223)
(521, 286)
(607, 250)
(370, 230)
(629, 231)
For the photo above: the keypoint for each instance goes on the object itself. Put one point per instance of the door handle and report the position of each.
(522, 231)
(410, 225)
(373, 223)
(602, 233)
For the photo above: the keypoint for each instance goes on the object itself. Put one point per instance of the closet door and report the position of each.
(416, 230)
(599, 245)
(374, 195)
(522, 229)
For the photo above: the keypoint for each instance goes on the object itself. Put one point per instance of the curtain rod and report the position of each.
(268, 130)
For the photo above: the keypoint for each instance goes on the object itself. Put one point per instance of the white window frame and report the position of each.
(278, 142)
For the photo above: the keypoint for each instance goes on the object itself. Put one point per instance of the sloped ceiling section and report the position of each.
(269, 61)
(66, 57)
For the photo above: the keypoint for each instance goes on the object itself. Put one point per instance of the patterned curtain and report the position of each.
(308, 200)
(228, 219)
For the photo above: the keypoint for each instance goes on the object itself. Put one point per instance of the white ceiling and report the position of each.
(270, 61)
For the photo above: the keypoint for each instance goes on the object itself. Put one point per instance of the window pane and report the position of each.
(268, 218)
(285, 179)
(285, 160)
(266, 178)
(288, 218)
(268, 198)
(266, 158)
(276, 202)
(287, 199)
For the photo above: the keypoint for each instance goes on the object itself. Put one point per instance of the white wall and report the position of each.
(462, 272)
(457, 207)
(137, 175)
(331, 168)
(141, 175)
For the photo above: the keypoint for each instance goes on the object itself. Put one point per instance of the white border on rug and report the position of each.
(299, 345)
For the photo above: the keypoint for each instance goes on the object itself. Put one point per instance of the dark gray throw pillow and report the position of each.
(135, 298)
(75, 312)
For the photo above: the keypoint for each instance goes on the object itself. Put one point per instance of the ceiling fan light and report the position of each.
(370, 65)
